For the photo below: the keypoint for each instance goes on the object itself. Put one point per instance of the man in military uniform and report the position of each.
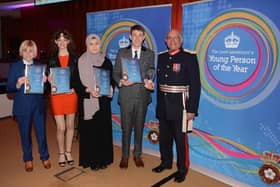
(178, 92)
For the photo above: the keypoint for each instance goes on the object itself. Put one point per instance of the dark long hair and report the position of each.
(67, 35)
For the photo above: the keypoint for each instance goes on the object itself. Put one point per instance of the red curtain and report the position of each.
(38, 23)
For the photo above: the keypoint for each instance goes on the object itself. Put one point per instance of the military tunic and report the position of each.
(179, 69)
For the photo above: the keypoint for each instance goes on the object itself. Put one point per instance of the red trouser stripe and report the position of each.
(187, 152)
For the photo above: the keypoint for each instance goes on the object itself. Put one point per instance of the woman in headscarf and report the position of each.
(95, 118)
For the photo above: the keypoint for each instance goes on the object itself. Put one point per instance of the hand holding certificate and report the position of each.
(148, 84)
(131, 70)
(102, 81)
(35, 79)
(60, 80)
(148, 81)
(187, 125)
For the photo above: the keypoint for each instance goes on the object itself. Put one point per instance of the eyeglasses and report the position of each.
(175, 38)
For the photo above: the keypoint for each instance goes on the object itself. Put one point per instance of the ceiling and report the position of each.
(8, 2)
(5, 1)
(11, 7)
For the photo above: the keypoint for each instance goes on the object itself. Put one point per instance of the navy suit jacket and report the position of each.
(24, 104)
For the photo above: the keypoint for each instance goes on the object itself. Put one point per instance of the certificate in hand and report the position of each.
(131, 70)
(61, 80)
(34, 74)
(102, 81)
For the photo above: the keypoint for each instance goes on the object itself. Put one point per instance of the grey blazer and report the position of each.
(147, 67)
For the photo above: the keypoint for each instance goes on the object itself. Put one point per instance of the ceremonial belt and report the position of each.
(173, 89)
(187, 125)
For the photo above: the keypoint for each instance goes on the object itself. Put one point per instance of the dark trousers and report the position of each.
(172, 130)
(25, 124)
(133, 114)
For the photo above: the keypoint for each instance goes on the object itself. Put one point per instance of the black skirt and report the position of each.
(95, 137)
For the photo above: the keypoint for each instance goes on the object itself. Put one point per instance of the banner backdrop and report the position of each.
(237, 132)
(113, 28)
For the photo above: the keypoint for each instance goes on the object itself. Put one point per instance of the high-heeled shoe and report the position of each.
(61, 160)
(69, 158)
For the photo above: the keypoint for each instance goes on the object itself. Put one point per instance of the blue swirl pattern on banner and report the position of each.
(238, 55)
(237, 131)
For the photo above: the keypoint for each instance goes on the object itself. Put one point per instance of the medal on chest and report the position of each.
(176, 67)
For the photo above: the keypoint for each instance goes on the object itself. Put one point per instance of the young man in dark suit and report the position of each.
(134, 98)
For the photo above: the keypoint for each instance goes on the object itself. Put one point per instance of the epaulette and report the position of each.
(190, 51)
(162, 52)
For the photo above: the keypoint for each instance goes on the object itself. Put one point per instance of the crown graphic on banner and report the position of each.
(123, 42)
(232, 41)
(271, 157)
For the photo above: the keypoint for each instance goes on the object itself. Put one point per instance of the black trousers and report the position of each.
(172, 130)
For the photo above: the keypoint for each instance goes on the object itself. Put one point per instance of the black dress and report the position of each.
(95, 135)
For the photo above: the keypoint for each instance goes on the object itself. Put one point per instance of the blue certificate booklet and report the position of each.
(131, 70)
(102, 81)
(61, 80)
(35, 75)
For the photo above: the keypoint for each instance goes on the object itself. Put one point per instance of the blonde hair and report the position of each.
(28, 44)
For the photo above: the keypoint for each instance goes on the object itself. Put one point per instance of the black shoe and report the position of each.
(94, 167)
(180, 177)
(103, 166)
(160, 168)
(85, 166)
